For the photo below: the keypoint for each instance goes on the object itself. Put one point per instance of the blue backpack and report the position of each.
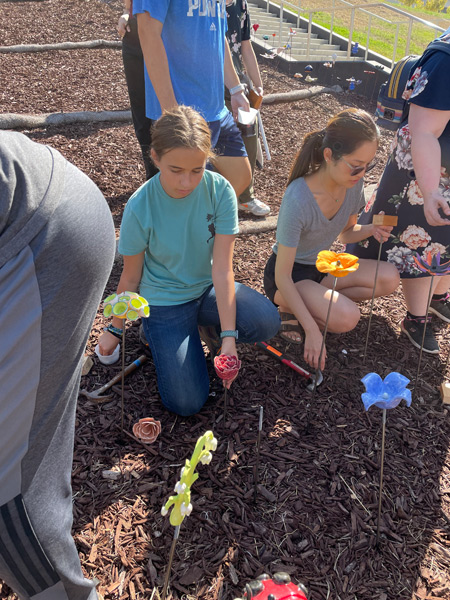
(392, 109)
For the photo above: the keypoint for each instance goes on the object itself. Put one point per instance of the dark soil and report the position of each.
(316, 510)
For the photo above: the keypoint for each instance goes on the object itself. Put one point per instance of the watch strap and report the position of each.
(229, 333)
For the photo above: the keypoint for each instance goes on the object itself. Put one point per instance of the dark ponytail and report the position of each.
(310, 156)
(343, 134)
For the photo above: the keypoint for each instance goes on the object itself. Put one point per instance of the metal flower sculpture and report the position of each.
(181, 503)
(432, 265)
(126, 305)
(384, 394)
(338, 264)
(387, 393)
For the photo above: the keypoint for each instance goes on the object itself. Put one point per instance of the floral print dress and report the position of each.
(398, 192)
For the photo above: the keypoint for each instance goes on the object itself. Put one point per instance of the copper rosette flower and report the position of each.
(227, 367)
(126, 305)
(432, 265)
(338, 264)
(147, 430)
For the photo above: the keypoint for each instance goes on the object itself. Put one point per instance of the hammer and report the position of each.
(96, 395)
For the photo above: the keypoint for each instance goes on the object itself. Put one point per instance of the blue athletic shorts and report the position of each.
(226, 138)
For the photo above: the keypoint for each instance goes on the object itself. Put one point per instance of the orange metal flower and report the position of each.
(147, 430)
(338, 264)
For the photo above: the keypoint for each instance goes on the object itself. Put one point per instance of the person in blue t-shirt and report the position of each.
(188, 62)
(177, 239)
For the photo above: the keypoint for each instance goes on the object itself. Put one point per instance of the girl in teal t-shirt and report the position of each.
(177, 241)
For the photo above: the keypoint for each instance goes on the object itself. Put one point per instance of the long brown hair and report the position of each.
(343, 134)
(181, 127)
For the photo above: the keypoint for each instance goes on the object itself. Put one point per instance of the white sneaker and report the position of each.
(256, 207)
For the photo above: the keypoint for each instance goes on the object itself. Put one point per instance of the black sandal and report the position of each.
(290, 327)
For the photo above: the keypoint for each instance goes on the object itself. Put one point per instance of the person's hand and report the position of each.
(107, 343)
(229, 348)
(432, 204)
(122, 25)
(239, 101)
(259, 91)
(382, 233)
(313, 344)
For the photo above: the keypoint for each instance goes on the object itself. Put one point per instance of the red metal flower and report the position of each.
(227, 367)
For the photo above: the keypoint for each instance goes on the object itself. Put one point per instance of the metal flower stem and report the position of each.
(122, 406)
(383, 436)
(316, 377)
(448, 356)
(423, 335)
(225, 407)
(176, 534)
(258, 447)
(372, 302)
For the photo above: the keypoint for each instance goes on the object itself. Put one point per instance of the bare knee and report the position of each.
(388, 279)
(347, 319)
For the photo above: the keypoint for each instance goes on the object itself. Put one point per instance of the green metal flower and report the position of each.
(181, 503)
(126, 305)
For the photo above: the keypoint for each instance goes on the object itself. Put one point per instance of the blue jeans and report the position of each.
(174, 340)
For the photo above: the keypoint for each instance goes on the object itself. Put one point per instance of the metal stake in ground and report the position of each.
(390, 221)
(122, 403)
(385, 395)
(227, 367)
(338, 264)
(126, 305)
(380, 493)
(431, 265)
(324, 336)
(258, 448)
(425, 325)
(176, 534)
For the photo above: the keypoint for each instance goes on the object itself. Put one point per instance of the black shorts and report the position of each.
(299, 273)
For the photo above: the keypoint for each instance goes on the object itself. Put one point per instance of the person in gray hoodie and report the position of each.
(57, 246)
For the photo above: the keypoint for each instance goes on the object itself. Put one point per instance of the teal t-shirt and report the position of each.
(177, 236)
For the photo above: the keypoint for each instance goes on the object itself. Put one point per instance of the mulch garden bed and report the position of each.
(316, 507)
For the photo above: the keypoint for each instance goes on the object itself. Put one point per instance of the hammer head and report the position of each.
(96, 396)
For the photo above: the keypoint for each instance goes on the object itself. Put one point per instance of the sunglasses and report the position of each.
(357, 170)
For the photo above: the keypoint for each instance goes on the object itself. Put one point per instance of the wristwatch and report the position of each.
(229, 333)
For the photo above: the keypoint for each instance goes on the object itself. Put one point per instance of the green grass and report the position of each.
(382, 35)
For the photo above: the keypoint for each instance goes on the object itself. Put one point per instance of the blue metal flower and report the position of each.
(385, 394)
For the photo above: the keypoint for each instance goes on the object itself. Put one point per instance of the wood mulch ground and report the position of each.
(316, 508)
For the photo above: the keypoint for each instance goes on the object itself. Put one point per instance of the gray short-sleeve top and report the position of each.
(302, 224)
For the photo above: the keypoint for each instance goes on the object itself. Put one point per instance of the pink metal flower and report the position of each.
(227, 367)
(147, 430)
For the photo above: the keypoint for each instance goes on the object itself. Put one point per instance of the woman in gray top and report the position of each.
(321, 203)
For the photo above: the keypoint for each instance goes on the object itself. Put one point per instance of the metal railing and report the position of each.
(406, 19)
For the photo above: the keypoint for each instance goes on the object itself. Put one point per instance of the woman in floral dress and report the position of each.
(415, 186)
